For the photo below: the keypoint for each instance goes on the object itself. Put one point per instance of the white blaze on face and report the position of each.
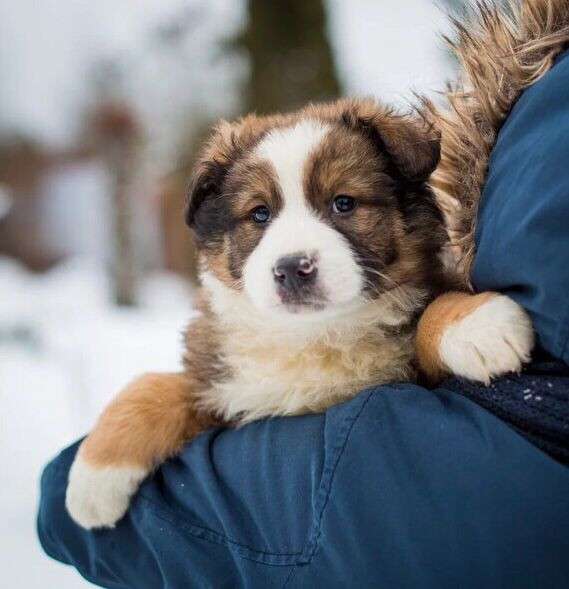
(297, 228)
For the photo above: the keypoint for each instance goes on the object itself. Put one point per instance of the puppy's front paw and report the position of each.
(98, 497)
(494, 339)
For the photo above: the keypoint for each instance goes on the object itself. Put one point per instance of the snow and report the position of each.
(64, 352)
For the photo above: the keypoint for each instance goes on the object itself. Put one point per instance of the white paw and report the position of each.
(98, 497)
(494, 339)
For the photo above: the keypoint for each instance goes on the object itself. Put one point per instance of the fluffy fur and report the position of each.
(502, 48)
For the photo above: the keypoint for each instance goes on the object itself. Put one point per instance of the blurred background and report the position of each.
(102, 107)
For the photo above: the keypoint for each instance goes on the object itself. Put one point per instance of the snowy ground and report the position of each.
(64, 351)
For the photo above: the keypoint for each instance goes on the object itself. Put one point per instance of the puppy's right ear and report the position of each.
(210, 170)
(206, 182)
(224, 147)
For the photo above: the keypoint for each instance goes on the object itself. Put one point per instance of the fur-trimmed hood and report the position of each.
(502, 48)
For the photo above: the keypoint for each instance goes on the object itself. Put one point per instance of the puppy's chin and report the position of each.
(296, 303)
(307, 313)
(299, 310)
(303, 308)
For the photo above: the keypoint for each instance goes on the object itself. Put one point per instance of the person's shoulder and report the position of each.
(524, 211)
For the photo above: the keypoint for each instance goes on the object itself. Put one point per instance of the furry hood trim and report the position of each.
(502, 47)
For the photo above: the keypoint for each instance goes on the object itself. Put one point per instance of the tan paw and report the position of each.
(98, 497)
(495, 339)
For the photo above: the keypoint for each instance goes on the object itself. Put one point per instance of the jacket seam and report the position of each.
(203, 533)
(327, 481)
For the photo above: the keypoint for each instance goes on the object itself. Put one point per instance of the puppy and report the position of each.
(319, 242)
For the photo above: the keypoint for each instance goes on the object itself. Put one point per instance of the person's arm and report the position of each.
(474, 336)
(400, 486)
(233, 508)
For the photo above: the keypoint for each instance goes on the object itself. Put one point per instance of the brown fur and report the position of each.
(147, 423)
(407, 245)
(502, 50)
(347, 164)
(413, 141)
(203, 344)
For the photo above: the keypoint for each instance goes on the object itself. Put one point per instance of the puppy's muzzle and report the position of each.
(295, 274)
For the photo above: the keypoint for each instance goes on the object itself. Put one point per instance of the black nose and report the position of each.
(294, 272)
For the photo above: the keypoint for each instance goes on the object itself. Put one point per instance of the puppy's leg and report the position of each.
(474, 336)
(149, 421)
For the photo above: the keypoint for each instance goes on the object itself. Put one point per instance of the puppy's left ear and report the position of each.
(411, 143)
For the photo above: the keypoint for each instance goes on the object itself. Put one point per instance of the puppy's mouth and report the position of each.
(297, 301)
(304, 307)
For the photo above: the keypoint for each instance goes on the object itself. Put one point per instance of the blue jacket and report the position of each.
(399, 487)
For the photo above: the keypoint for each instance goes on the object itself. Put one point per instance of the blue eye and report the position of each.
(261, 214)
(343, 204)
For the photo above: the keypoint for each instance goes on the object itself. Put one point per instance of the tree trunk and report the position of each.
(118, 132)
(290, 56)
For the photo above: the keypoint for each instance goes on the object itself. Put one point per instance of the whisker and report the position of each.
(380, 274)
(396, 294)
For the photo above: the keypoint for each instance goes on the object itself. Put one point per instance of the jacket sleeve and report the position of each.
(400, 487)
(233, 510)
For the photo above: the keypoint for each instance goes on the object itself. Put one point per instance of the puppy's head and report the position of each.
(323, 209)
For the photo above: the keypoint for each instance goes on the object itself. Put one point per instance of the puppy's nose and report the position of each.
(293, 272)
